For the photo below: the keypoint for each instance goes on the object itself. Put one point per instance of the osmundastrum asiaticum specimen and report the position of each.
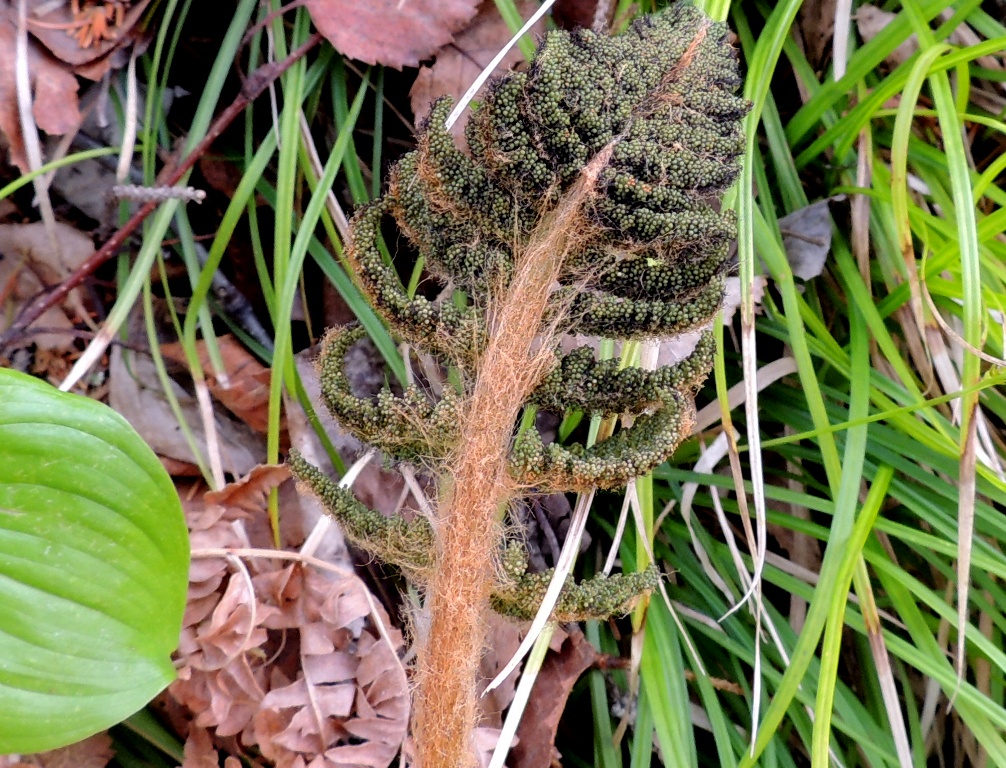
(587, 203)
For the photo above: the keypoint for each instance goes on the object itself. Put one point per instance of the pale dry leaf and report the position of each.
(54, 112)
(390, 32)
(486, 739)
(732, 295)
(17, 285)
(97, 69)
(676, 348)
(136, 392)
(233, 627)
(235, 695)
(283, 588)
(806, 236)
(311, 676)
(457, 65)
(31, 243)
(871, 21)
(316, 639)
(251, 492)
(502, 641)
(29, 263)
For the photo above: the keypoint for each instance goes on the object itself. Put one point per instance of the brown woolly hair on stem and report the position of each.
(480, 486)
(588, 205)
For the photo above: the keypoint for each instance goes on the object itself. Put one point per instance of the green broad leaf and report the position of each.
(93, 568)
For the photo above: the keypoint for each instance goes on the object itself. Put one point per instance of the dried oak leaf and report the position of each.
(351, 687)
(458, 65)
(390, 32)
(251, 492)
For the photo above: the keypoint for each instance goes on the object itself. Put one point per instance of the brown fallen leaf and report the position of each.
(537, 728)
(871, 21)
(54, 86)
(459, 64)
(30, 242)
(137, 393)
(390, 32)
(806, 236)
(502, 641)
(199, 751)
(817, 25)
(103, 26)
(571, 14)
(29, 263)
(246, 393)
(250, 492)
(281, 657)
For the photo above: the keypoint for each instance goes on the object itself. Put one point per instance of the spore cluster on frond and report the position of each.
(652, 118)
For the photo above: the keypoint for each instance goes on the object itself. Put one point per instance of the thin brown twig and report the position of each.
(170, 175)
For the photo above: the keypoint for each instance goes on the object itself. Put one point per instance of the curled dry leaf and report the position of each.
(199, 751)
(61, 47)
(282, 658)
(502, 641)
(457, 66)
(390, 32)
